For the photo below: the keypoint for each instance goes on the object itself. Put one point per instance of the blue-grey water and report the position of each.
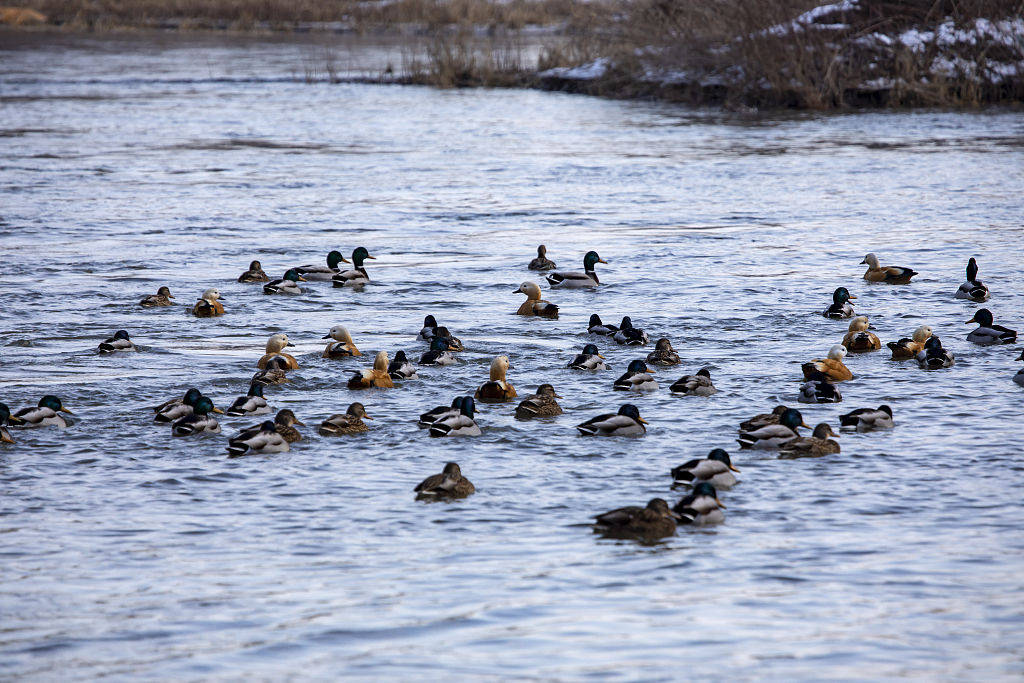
(139, 161)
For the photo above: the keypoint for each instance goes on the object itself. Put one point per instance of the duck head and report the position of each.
(286, 418)
(859, 324)
(334, 258)
(211, 295)
(792, 418)
(595, 320)
(704, 372)
(499, 366)
(660, 507)
(164, 291)
(339, 333)
(53, 403)
(203, 406)
(591, 259)
(255, 265)
(467, 406)
(721, 456)
(972, 269)
(191, 396)
(293, 275)
(631, 411)
(357, 410)
(885, 409)
(663, 344)
(278, 342)
(430, 322)
(638, 366)
(530, 289)
(591, 350)
(255, 389)
(626, 323)
(706, 489)
(872, 261)
(922, 334)
(359, 255)
(381, 362)
(841, 296)
(837, 352)
(400, 357)
(982, 316)
(823, 431)
(547, 390)
(6, 417)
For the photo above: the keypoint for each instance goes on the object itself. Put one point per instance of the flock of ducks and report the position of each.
(194, 413)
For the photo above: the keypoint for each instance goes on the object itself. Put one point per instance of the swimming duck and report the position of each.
(534, 305)
(288, 284)
(694, 385)
(46, 414)
(816, 444)
(284, 424)
(438, 353)
(841, 306)
(858, 339)
(627, 422)
(700, 507)
(933, 356)
(275, 349)
(452, 342)
(595, 326)
(716, 469)
(636, 378)
(351, 422)
(252, 403)
(449, 484)
(987, 334)
(773, 436)
(461, 424)
(905, 348)
(817, 388)
(119, 342)
(275, 372)
(654, 521)
(868, 419)
(663, 354)
(342, 346)
(199, 421)
(894, 275)
(429, 328)
(441, 412)
(1019, 377)
(313, 272)
(973, 289)
(576, 279)
(261, 439)
(629, 335)
(356, 276)
(588, 359)
(542, 262)
(176, 408)
(209, 304)
(7, 419)
(541, 404)
(833, 366)
(254, 274)
(376, 377)
(161, 298)
(497, 389)
(763, 419)
(401, 368)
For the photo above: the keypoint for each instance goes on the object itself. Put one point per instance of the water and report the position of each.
(133, 163)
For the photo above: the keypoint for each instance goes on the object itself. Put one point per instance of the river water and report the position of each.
(142, 160)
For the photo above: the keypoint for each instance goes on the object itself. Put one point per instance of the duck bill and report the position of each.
(601, 260)
(720, 504)
(301, 279)
(558, 396)
(804, 424)
(326, 336)
(649, 370)
(15, 420)
(642, 421)
(852, 296)
(734, 469)
(345, 260)
(217, 410)
(170, 296)
(367, 417)
(972, 320)
(517, 290)
(862, 262)
(600, 356)
(65, 410)
(373, 257)
(674, 515)
(300, 422)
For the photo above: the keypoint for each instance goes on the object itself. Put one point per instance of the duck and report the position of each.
(576, 279)
(429, 328)
(497, 389)
(375, 377)
(701, 506)
(438, 353)
(441, 412)
(119, 342)
(209, 304)
(253, 403)
(907, 348)
(161, 298)
(356, 276)
(816, 444)
(275, 349)
(629, 335)
(868, 419)
(534, 305)
(716, 469)
(542, 262)
(694, 385)
(461, 424)
(763, 419)
(448, 484)
(652, 522)
(314, 272)
(933, 356)
(816, 387)
(1019, 377)
(349, 422)
(275, 372)
(7, 419)
(284, 423)
(176, 408)
(973, 289)
(343, 346)
(663, 353)
(893, 275)
(261, 439)
(858, 339)
(636, 378)
(627, 422)
(773, 436)
(288, 284)
(595, 326)
(841, 306)
(452, 342)
(47, 413)
(254, 274)
(832, 365)
(401, 368)
(588, 359)
(987, 333)
(199, 421)
(541, 404)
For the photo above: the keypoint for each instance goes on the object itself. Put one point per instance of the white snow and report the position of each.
(584, 72)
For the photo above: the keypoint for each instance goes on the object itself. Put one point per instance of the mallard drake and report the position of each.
(663, 353)
(401, 368)
(576, 279)
(933, 356)
(542, 262)
(832, 365)
(161, 298)
(893, 275)
(119, 342)
(694, 385)
(973, 289)
(629, 335)
(314, 272)
(441, 412)
(716, 469)
(351, 422)
(275, 349)
(438, 353)
(209, 304)
(868, 419)
(763, 419)
(342, 346)
(841, 306)
(356, 276)
(817, 388)
(288, 284)
(497, 389)
(461, 424)
(858, 339)
(534, 305)
(627, 422)
(176, 408)
(651, 522)
(199, 421)
(816, 444)
(46, 414)
(541, 404)
(375, 377)
(588, 359)
(275, 372)
(773, 436)
(1019, 377)
(429, 328)
(986, 333)
(254, 274)
(905, 348)
(284, 423)
(7, 419)
(252, 403)
(595, 326)
(701, 506)
(636, 378)
(449, 484)
(261, 439)
(452, 342)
